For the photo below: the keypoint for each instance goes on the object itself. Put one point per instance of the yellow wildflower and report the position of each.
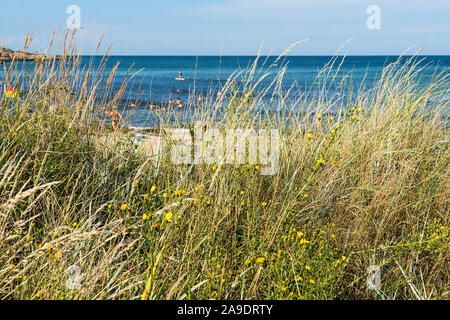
(319, 116)
(304, 241)
(264, 204)
(247, 262)
(145, 196)
(299, 234)
(145, 217)
(165, 195)
(12, 93)
(168, 216)
(260, 260)
(74, 224)
(123, 207)
(309, 135)
(308, 268)
(320, 162)
(152, 189)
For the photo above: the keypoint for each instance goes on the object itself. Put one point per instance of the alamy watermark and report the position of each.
(73, 278)
(374, 278)
(227, 146)
(374, 20)
(73, 22)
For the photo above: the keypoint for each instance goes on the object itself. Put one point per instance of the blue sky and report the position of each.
(234, 27)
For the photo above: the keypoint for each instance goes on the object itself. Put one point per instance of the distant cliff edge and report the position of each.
(9, 55)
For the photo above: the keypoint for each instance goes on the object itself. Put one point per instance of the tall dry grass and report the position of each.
(365, 186)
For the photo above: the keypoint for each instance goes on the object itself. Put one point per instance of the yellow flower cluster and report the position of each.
(168, 216)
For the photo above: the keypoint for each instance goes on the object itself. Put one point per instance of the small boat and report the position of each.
(179, 79)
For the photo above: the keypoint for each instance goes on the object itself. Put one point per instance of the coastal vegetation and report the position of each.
(362, 191)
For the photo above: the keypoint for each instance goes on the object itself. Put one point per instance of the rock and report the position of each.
(9, 55)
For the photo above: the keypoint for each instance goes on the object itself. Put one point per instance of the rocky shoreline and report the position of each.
(9, 55)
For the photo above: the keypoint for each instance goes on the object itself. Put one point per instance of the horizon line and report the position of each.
(248, 55)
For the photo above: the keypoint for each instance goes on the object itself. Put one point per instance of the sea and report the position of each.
(151, 80)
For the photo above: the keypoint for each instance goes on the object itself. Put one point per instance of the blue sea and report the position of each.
(154, 76)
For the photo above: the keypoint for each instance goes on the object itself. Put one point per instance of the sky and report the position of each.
(234, 27)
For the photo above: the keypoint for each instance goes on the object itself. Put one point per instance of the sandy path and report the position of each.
(146, 144)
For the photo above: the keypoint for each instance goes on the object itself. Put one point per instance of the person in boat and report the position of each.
(171, 102)
(180, 75)
(179, 103)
